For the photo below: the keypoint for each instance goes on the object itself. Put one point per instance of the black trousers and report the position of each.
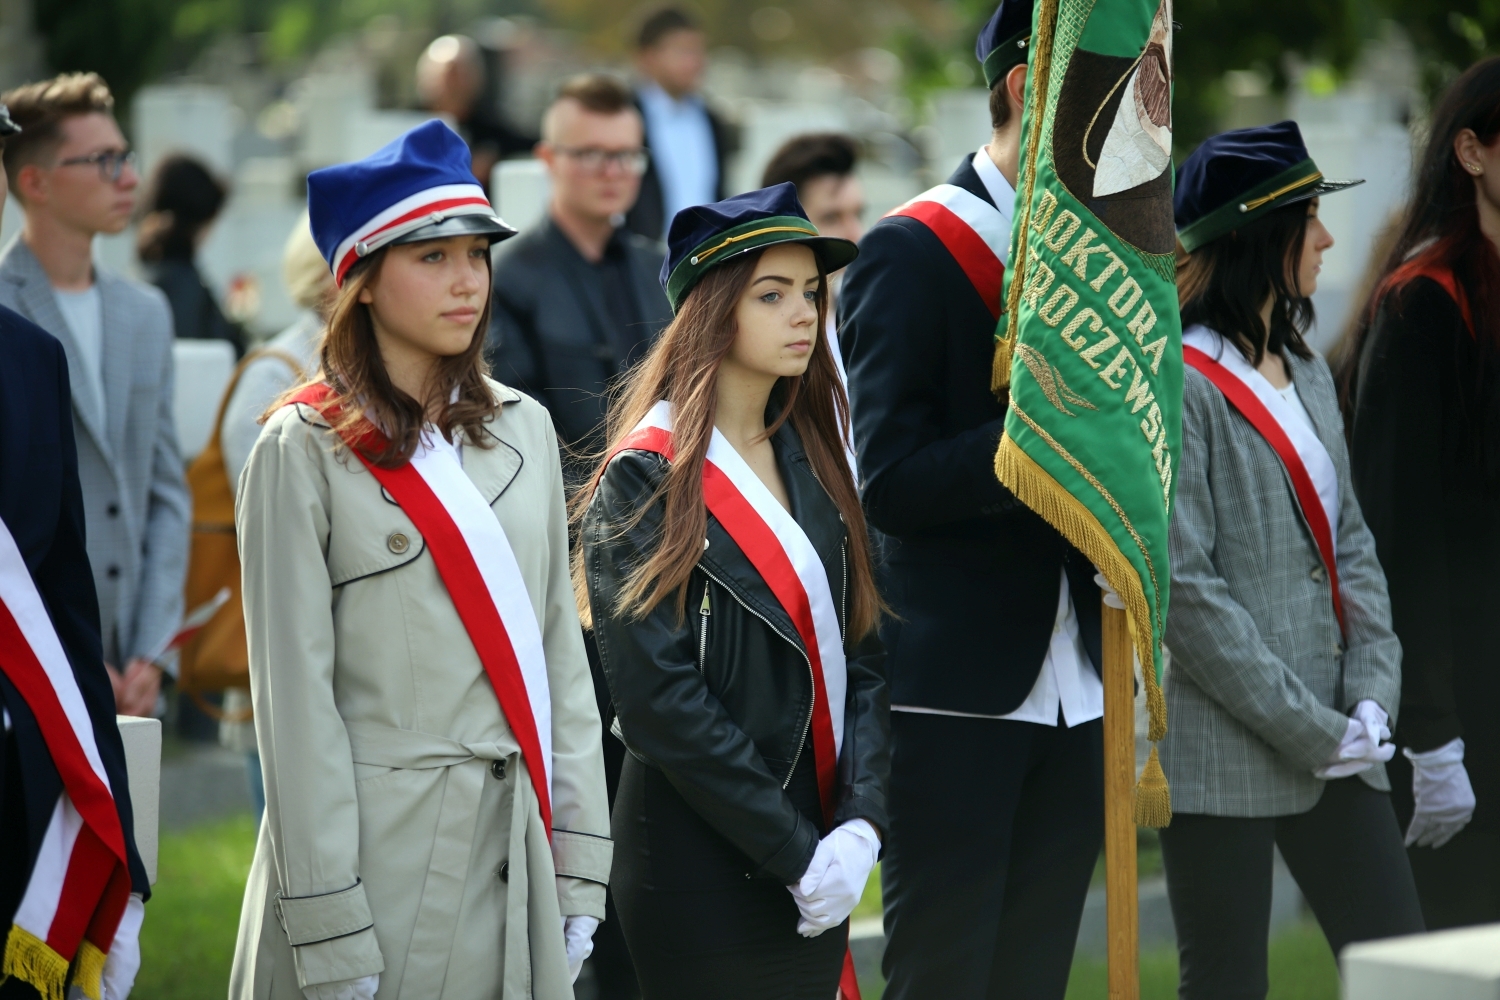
(1345, 854)
(995, 830)
(698, 923)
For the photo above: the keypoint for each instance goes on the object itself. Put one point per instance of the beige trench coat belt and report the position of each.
(468, 765)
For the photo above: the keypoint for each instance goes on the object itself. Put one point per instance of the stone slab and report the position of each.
(1459, 964)
(142, 739)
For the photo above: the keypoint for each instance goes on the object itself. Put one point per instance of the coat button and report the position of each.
(503, 873)
(1319, 574)
(497, 768)
(113, 510)
(398, 543)
(113, 572)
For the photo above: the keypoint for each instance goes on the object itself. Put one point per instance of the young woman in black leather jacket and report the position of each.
(757, 720)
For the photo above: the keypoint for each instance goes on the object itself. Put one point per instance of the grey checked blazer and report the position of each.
(136, 503)
(1261, 683)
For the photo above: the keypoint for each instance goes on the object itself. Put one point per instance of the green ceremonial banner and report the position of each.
(1090, 343)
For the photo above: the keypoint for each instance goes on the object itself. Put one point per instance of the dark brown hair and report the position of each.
(183, 197)
(601, 93)
(41, 108)
(682, 367)
(663, 22)
(352, 365)
(1440, 229)
(1224, 283)
(816, 154)
(1000, 104)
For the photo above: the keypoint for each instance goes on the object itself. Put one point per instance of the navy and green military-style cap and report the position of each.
(1237, 177)
(7, 127)
(1004, 39)
(704, 236)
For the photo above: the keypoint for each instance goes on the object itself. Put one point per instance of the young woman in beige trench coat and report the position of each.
(403, 852)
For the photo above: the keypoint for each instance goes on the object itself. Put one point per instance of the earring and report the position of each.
(1473, 167)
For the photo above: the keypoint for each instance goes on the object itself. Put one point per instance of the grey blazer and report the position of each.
(136, 502)
(1261, 682)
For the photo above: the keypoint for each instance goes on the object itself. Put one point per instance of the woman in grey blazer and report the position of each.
(1285, 671)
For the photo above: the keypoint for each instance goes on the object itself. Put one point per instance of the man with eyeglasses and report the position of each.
(577, 300)
(577, 297)
(73, 173)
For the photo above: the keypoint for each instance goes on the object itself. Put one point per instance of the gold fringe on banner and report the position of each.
(1037, 81)
(1035, 487)
(88, 975)
(28, 958)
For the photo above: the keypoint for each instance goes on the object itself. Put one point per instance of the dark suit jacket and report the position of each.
(42, 506)
(647, 216)
(971, 573)
(551, 335)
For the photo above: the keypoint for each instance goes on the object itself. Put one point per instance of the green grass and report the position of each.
(187, 941)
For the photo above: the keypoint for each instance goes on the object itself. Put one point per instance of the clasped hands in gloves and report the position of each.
(1366, 743)
(835, 878)
(1444, 797)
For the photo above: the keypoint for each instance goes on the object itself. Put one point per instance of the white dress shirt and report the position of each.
(1067, 683)
(999, 189)
(682, 146)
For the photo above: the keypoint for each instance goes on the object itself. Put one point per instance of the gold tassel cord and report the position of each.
(28, 958)
(1038, 490)
(1037, 83)
(88, 974)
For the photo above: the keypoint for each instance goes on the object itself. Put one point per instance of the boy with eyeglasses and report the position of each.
(73, 173)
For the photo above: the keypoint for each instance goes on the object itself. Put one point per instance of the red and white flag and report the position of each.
(72, 908)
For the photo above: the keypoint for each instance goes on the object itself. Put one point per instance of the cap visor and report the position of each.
(833, 252)
(460, 225)
(1318, 190)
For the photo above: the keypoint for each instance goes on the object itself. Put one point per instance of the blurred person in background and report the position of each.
(453, 80)
(182, 200)
(821, 165)
(577, 297)
(73, 172)
(267, 372)
(577, 301)
(690, 144)
(1422, 387)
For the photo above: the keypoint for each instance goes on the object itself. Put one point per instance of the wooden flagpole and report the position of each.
(1121, 901)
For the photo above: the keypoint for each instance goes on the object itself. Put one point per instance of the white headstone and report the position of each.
(961, 120)
(203, 368)
(519, 190)
(765, 125)
(142, 739)
(184, 118)
(1459, 964)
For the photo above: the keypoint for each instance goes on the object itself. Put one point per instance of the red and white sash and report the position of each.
(786, 560)
(1314, 478)
(479, 568)
(975, 232)
(80, 885)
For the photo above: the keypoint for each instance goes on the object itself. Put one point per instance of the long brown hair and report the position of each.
(1440, 231)
(682, 367)
(351, 364)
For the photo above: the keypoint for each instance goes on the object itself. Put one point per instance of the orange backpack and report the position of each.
(216, 657)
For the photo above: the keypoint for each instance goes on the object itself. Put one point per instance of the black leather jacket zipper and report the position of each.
(703, 613)
(807, 723)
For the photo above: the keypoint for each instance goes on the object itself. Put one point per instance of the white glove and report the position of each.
(578, 936)
(346, 989)
(1445, 799)
(1111, 599)
(124, 959)
(831, 887)
(1366, 743)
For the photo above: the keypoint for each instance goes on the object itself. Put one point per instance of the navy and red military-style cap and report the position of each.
(417, 187)
(705, 236)
(1004, 39)
(1237, 177)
